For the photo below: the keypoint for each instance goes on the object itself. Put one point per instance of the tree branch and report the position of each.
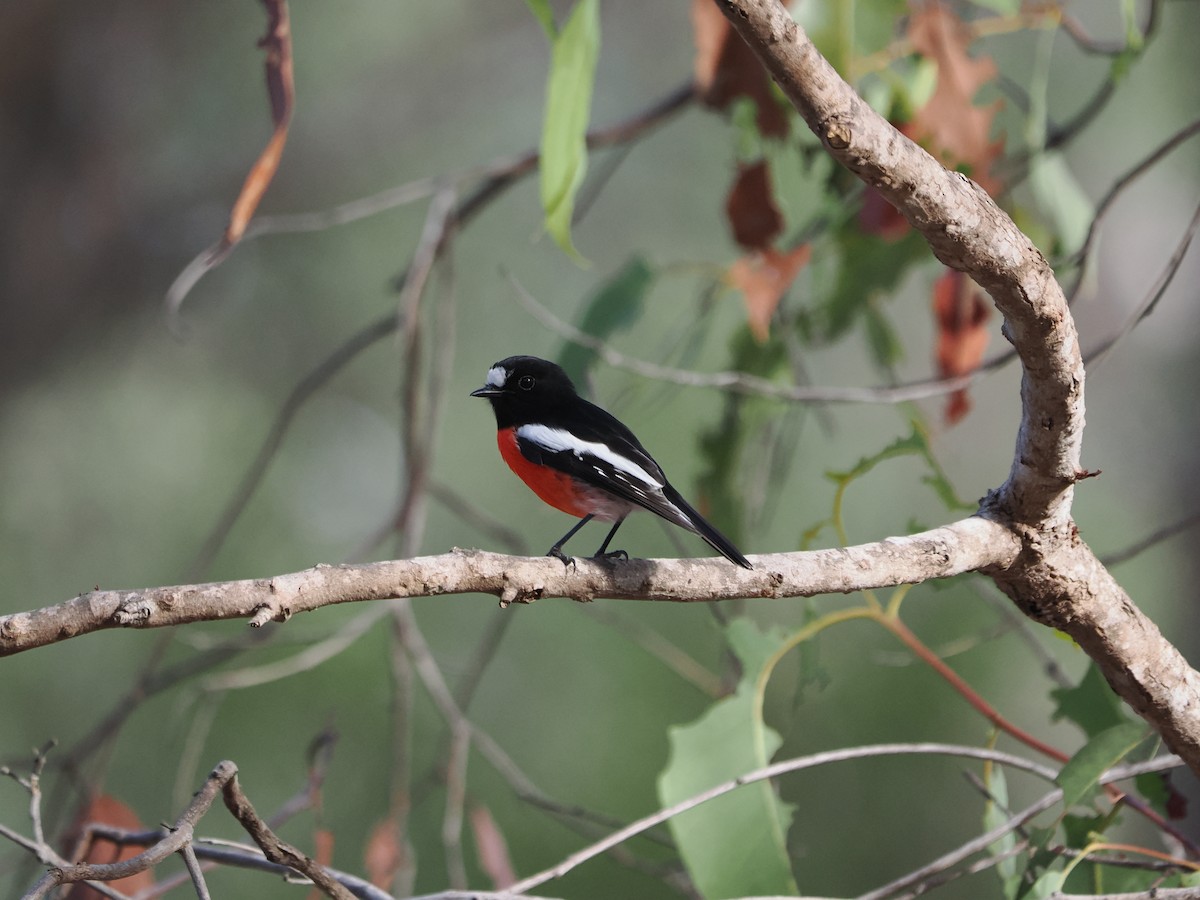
(1056, 579)
(963, 546)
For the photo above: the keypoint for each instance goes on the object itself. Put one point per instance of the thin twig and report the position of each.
(744, 383)
(1144, 165)
(796, 765)
(195, 872)
(1146, 307)
(1167, 531)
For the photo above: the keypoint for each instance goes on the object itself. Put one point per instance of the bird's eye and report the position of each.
(525, 382)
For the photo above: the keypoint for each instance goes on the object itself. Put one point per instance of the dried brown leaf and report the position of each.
(763, 276)
(282, 92)
(751, 209)
(726, 68)
(323, 853)
(491, 848)
(386, 853)
(955, 130)
(105, 809)
(876, 215)
(961, 311)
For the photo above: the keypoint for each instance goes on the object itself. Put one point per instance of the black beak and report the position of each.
(486, 391)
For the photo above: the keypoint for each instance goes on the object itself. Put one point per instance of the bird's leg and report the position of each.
(611, 554)
(556, 550)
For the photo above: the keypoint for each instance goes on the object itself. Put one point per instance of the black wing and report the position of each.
(598, 450)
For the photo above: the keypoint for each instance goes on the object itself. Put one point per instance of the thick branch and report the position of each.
(964, 546)
(1056, 579)
(967, 231)
(1066, 587)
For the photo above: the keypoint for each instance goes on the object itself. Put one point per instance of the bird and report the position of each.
(581, 459)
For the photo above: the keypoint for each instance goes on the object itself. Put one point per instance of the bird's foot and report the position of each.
(612, 554)
(556, 552)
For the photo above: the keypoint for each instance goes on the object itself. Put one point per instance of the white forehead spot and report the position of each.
(497, 375)
(557, 440)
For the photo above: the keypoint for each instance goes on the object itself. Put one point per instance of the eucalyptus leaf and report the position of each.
(735, 845)
(564, 130)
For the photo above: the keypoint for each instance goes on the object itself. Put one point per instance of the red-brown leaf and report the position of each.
(491, 848)
(961, 311)
(726, 68)
(386, 853)
(751, 209)
(877, 216)
(322, 853)
(763, 277)
(282, 92)
(106, 810)
(953, 128)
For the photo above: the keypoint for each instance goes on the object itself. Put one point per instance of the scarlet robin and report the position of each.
(579, 458)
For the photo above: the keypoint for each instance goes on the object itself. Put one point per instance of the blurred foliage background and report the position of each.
(127, 128)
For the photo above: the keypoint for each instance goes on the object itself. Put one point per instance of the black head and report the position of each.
(524, 389)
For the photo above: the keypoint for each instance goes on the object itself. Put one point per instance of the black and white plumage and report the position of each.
(579, 458)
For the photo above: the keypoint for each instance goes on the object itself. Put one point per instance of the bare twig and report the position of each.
(980, 843)
(195, 872)
(1140, 168)
(275, 849)
(1162, 534)
(1146, 307)
(796, 765)
(180, 834)
(742, 382)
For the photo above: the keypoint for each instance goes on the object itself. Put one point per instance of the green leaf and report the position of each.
(1048, 884)
(995, 814)
(881, 338)
(735, 845)
(615, 307)
(568, 106)
(1154, 789)
(1061, 199)
(916, 444)
(1091, 704)
(545, 16)
(1081, 775)
(721, 483)
(867, 265)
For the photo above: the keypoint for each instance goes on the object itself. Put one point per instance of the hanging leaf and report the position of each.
(726, 69)
(956, 131)
(1062, 200)
(615, 307)
(1091, 704)
(750, 207)
(387, 853)
(961, 311)
(1080, 777)
(491, 849)
(544, 15)
(995, 813)
(568, 107)
(763, 278)
(281, 90)
(868, 265)
(735, 845)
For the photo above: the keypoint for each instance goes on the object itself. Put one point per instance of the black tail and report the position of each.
(696, 523)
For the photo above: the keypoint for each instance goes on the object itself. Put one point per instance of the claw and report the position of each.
(556, 552)
(612, 554)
